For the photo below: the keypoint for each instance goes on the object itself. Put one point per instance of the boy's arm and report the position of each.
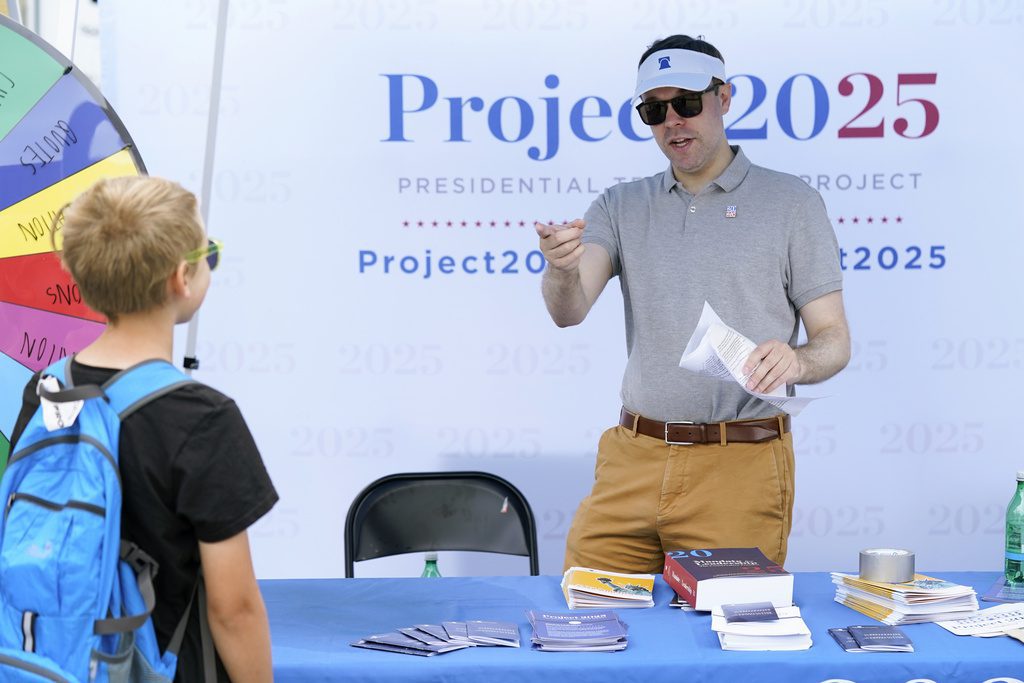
(238, 619)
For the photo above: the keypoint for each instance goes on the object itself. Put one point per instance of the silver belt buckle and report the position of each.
(677, 443)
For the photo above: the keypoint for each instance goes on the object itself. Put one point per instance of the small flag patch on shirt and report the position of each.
(730, 211)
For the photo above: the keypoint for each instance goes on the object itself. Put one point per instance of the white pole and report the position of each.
(13, 11)
(74, 31)
(191, 362)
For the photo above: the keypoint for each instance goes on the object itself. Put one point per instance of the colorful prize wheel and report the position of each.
(58, 135)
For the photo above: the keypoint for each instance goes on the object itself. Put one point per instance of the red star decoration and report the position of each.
(521, 224)
(492, 224)
(841, 220)
(870, 219)
(507, 224)
(856, 220)
(419, 224)
(899, 219)
(885, 219)
(478, 224)
(405, 224)
(434, 224)
(449, 224)
(463, 224)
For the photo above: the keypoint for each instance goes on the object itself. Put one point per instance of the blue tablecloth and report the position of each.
(312, 623)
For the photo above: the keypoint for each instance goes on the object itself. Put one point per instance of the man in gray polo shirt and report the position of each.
(696, 462)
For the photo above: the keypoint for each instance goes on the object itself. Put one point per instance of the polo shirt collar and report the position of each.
(730, 178)
(735, 172)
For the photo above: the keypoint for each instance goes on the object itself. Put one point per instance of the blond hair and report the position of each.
(124, 237)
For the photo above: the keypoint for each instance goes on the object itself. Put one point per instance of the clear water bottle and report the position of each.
(430, 564)
(1015, 535)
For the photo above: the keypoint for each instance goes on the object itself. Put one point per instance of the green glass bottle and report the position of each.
(1014, 570)
(430, 565)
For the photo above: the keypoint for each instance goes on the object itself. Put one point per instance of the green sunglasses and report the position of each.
(211, 252)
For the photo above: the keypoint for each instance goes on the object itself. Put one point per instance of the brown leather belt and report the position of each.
(686, 433)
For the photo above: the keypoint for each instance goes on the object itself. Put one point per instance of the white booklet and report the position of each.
(788, 632)
(717, 350)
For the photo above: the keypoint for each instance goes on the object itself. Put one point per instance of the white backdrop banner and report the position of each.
(380, 165)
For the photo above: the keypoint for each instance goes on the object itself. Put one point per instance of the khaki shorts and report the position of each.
(650, 497)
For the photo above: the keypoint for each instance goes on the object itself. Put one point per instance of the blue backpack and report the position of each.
(75, 599)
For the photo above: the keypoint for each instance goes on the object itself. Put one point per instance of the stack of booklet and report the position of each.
(872, 639)
(760, 626)
(434, 639)
(921, 600)
(594, 588)
(555, 632)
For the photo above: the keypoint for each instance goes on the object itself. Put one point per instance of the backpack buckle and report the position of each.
(137, 558)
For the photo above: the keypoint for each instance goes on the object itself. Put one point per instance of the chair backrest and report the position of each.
(422, 511)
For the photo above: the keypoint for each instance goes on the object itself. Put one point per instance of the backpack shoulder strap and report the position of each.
(147, 381)
(61, 371)
(198, 600)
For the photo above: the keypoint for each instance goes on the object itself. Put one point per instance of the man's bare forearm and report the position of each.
(564, 296)
(824, 355)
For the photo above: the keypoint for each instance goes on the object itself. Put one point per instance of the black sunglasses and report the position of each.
(653, 112)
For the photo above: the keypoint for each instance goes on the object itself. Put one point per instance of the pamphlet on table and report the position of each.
(561, 632)
(403, 643)
(586, 588)
(994, 621)
(501, 633)
(1004, 592)
(872, 638)
(426, 640)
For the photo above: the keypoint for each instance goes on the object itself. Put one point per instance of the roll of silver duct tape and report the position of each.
(888, 565)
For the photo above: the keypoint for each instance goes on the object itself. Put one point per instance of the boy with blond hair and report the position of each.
(193, 480)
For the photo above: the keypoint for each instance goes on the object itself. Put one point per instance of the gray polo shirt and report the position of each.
(756, 244)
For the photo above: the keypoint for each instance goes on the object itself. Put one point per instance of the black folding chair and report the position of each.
(423, 511)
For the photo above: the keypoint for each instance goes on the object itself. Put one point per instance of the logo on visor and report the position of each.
(663, 63)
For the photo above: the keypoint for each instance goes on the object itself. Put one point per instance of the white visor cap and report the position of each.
(677, 68)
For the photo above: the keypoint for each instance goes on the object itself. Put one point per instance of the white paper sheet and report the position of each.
(993, 621)
(717, 350)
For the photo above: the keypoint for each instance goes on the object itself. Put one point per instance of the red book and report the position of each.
(707, 579)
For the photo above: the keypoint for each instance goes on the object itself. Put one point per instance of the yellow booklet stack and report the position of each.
(920, 600)
(595, 588)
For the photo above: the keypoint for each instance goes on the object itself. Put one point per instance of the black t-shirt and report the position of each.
(190, 471)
